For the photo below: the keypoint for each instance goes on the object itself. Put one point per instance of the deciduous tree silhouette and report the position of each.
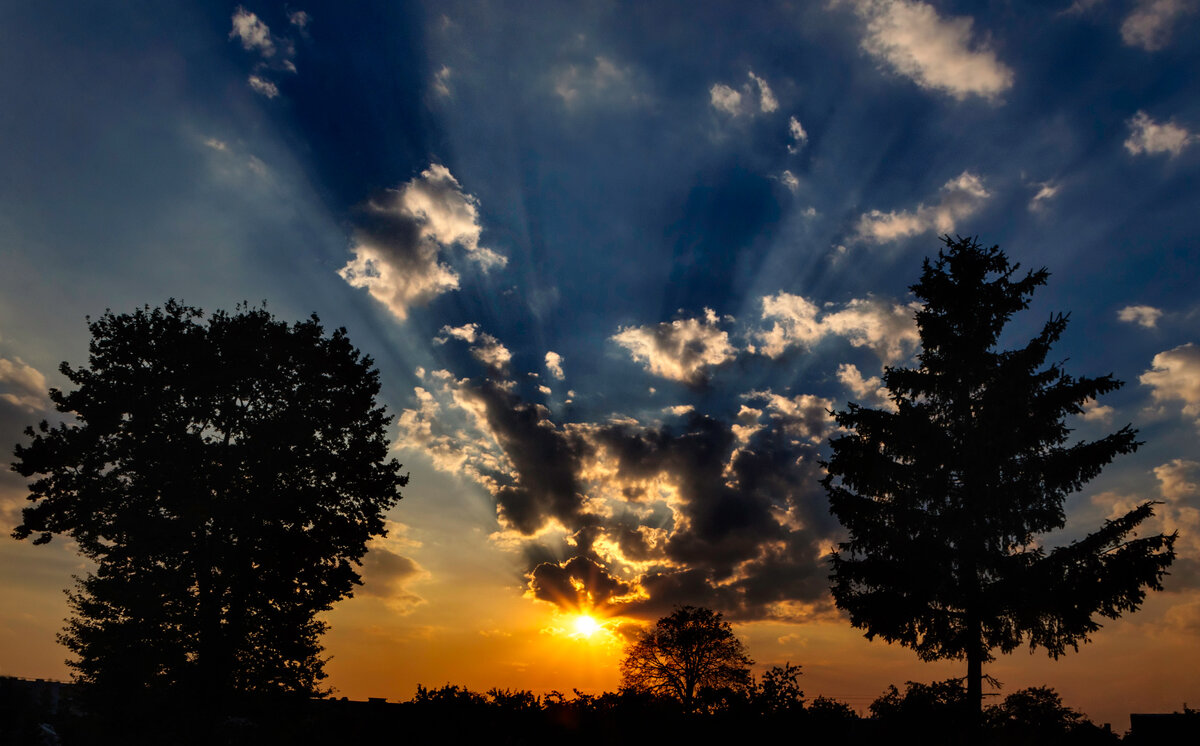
(224, 475)
(690, 650)
(945, 497)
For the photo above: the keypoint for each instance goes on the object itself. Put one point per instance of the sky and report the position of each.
(615, 263)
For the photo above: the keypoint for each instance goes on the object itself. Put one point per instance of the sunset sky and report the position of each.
(615, 264)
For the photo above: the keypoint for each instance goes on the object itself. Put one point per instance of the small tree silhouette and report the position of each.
(690, 650)
(945, 494)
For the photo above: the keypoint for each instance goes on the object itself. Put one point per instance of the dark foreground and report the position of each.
(51, 713)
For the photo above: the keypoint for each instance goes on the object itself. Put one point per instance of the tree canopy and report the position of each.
(224, 474)
(683, 653)
(946, 492)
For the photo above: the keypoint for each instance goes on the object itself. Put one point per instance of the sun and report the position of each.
(586, 626)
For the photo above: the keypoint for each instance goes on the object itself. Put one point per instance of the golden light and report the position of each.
(586, 626)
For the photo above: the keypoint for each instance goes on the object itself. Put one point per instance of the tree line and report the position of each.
(224, 474)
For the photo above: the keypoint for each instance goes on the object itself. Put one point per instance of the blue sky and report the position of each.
(614, 260)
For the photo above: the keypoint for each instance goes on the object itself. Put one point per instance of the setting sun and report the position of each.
(586, 626)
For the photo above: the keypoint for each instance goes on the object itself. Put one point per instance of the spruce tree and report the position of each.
(946, 494)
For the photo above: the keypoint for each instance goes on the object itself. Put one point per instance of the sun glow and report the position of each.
(586, 626)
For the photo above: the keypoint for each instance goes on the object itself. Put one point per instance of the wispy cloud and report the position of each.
(959, 198)
(936, 53)
(1151, 23)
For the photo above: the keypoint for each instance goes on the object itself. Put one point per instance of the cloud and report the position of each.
(743, 102)
(601, 80)
(253, 33)
(1179, 483)
(386, 575)
(1150, 24)
(263, 86)
(798, 135)
(869, 391)
(1150, 137)
(1046, 192)
(767, 102)
(441, 81)
(299, 19)
(888, 329)
(554, 365)
(723, 98)
(634, 518)
(936, 53)
(959, 198)
(484, 347)
(400, 242)
(790, 181)
(681, 350)
(1175, 374)
(1094, 411)
(1146, 316)
(22, 385)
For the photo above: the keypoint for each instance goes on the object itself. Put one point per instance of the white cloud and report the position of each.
(545, 390)
(253, 33)
(738, 102)
(399, 246)
(263, 86)
(958, 198)
(798, 135)
(1150, 24)
(1146, 316)
(790, 181)
(936, 53)
(723, 98)
(680, 350)
(299, 19)
(554, 365)
(805, 417)
(888, 329)
(868, 390)
(484, 347)
(1151, 137)
(1175, 374)
(767, 102)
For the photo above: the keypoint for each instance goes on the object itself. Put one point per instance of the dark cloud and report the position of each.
(657, 515)
(579, 583)
(385, 575)
(545, 459)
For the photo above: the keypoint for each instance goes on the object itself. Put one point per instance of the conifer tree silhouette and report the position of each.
(946, 493)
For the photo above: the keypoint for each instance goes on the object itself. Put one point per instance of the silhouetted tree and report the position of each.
(945, 493)
(224, 474)
(779, 689)
(690, 650)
